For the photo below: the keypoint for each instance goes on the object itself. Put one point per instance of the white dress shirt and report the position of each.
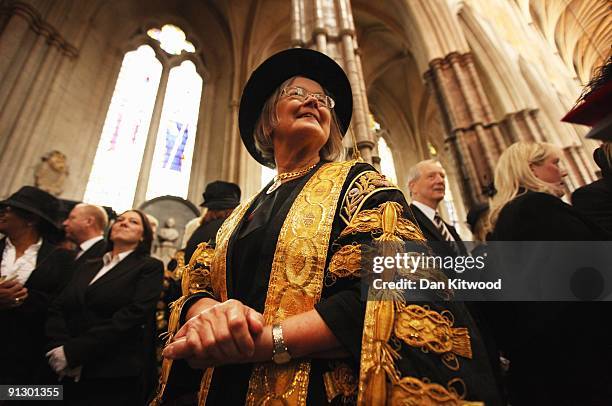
(431, 214)
(85, 245)
(22, 267)
(109, 263)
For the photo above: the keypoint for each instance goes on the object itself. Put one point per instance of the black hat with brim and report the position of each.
(220, 195)
(277, 69)
(36, 201)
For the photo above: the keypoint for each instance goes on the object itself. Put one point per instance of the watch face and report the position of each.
(281, 358)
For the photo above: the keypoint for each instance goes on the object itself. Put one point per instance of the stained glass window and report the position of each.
(176, 134)
(171, 39)
(118, 159)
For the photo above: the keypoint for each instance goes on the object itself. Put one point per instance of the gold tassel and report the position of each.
(461, 342)
(376, 389)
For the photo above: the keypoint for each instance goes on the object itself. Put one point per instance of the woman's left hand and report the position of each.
(222, 334)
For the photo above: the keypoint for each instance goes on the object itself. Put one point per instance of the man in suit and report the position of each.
(85, 226)
(427, 189)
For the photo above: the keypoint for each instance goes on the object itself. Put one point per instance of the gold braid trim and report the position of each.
(377, 355)
(218, 276)
(296, 280)
(362, 187)
(413, 391)
(380, 380)
(423, 328)
(195, 279)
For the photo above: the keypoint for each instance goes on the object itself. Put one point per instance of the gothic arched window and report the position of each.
(147, 140)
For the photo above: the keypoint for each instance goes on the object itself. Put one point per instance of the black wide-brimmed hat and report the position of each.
(221, 195)
(280, 67)
(36, 201)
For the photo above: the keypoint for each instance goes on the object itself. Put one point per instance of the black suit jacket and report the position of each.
(22, 335)
(595, 201)
(108, 327)
(95, 251)
(432, 234)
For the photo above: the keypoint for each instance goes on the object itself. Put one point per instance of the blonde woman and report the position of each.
(543, 340)
(528, 206)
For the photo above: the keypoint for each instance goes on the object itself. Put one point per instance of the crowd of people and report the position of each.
(271, 308)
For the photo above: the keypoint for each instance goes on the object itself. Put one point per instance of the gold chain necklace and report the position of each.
(278, 179)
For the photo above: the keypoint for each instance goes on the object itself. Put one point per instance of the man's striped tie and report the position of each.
(442, 228)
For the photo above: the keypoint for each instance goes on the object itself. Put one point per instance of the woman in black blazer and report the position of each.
(33, 271)
(100, 328)
(558, 351)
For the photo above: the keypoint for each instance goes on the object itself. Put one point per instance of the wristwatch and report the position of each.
(280, 352)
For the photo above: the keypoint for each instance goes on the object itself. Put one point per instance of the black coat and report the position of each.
(95, 251)
(107, 328)
(546, 342)
(432, 234)
(536, 216)
(595, 201)
(22, 334)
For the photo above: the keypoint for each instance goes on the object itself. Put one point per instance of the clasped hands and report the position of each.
(225, 333)
(12, 293)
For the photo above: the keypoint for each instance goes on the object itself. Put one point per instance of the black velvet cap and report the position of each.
(274, 71)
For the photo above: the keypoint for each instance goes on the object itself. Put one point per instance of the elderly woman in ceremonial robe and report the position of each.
(275, 312)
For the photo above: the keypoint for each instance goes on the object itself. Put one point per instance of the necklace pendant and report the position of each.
(275, 185)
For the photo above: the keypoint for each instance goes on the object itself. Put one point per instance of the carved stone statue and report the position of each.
(168, 238)
(51, 173)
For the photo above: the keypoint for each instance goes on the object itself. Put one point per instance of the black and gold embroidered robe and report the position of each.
(300, 248)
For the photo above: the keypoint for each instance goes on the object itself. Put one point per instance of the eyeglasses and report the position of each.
(303, 94)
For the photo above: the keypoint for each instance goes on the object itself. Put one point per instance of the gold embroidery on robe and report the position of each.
(346, 262)
(362, 187)
(380, 381)
(340, 381)
(296, 280)
(413, 391)
(423, 328)
(372, 221)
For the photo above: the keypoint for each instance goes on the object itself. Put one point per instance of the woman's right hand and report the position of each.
(221, 334)
(12, 293)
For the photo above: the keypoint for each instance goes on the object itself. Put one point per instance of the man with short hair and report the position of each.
(427, 189)
(85, 226)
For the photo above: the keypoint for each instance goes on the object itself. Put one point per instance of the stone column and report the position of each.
(32, 51)
(475, 140)
(327, 26)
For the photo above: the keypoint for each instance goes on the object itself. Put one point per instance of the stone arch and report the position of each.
(581, 31)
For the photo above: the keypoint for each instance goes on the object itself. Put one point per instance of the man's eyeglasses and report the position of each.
(302, 94)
